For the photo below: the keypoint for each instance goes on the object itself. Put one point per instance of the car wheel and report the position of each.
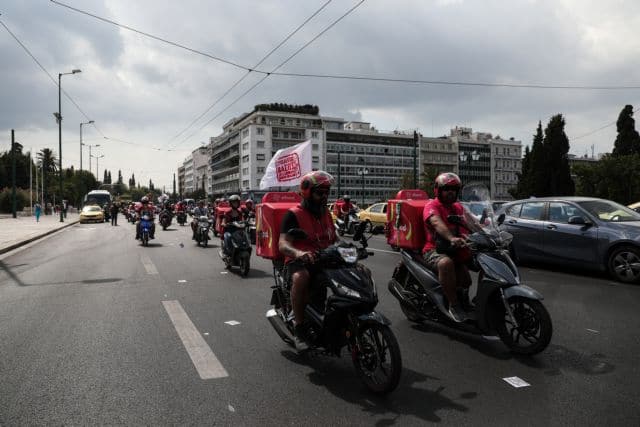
(624, 264)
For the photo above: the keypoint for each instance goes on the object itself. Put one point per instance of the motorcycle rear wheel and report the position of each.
(377, 359)
(205, 241)
(244, 266)
(534, 330)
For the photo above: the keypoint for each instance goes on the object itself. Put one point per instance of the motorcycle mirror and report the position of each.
(501, 219)
(297, 234)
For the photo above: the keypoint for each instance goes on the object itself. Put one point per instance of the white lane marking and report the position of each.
(593, 330)
(205, 333)
(231, 408)
(232, 322)
(148, 265)
(383, 250)
(224, 272)
(206, 363)
(516, 382)
(182, 281)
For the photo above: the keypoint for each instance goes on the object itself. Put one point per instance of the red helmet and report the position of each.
(446, 179)
(313, 180)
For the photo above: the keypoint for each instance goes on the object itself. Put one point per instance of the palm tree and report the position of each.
(47, 162)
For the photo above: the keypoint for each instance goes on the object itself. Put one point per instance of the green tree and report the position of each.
(133, 180)
(614, 177)
(538, 173)
(120, 181)
(556, 146)
(628, 140)
(47, 162)
(109, 177)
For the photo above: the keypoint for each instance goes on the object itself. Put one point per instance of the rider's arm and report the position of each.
(285, 243)
(441, 228)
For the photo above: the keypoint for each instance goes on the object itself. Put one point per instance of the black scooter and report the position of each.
(240, 248)
(347, 317)
(202, 232)
(501, 306)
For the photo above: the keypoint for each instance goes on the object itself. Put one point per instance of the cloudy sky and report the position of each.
(142, 92)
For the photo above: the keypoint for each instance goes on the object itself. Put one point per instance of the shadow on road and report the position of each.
(557, 358)
(12, 276)
(7, 269)
(412, 397)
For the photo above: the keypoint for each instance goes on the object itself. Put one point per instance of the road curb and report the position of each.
(39, 236)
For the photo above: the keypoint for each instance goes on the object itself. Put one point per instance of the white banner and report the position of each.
(287, 166)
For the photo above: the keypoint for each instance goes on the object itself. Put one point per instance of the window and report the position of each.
(260, 156)
(245, 183)
(245, 146)
(376, 208)
(260, 131)
(245, 171)
(245, 159)
(260, 144)
(315, 159)
(560, 212)
(245, 132)
(532, 210)
(513, 210)
(257, 183)
(315, 147)
(314, 134)
(260, 169)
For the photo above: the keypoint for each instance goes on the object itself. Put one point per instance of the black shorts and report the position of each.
(297, 265)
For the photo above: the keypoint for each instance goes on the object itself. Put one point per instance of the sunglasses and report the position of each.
(321, 192)
(449, 188)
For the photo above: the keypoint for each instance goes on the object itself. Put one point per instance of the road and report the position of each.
(94, 329)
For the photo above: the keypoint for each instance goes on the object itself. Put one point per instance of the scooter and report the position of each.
(353, 223)
(251, 223)
(347, 317)
(202, 233)
(145, 229)
(181, 217)
(240, 248)
(502, 305)
(165, 219)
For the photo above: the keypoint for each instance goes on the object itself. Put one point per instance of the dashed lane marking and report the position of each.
(205, 362)
(148, 265)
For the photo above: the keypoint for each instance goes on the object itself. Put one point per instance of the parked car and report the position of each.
(583, 232)
(91, 213)
(375, 214)
(635, 206)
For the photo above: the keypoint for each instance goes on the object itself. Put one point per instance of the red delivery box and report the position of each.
(404, 219)
(221, 209)
(269, 214)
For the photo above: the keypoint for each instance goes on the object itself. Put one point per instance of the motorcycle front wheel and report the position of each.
(533, 331)
(377, 359)
(244, 266)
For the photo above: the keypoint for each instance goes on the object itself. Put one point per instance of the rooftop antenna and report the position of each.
(593, 156)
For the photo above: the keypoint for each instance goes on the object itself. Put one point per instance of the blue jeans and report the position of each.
(227, 243)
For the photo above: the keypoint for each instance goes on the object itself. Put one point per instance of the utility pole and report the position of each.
(338, 172)
(415, 159)
(13, 173)
(174, 186)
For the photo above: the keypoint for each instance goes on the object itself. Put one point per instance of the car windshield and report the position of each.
(91, 209)
(610, 211)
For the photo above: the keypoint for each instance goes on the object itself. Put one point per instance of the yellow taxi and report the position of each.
(91, 213)
(375, 214)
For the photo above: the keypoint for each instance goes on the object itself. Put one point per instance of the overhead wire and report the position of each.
(233, 86)
(275, 69)
(600, 128)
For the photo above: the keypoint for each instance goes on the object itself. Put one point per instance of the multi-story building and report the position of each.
(494, 162)
(188, 174)
(181, 180)
(239, 157)
(201, 168)
(372, 163)
(438, 155)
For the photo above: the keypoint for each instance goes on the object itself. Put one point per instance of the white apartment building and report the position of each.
(506, 162)
(188, 174)
(194, 170)
(240, 155)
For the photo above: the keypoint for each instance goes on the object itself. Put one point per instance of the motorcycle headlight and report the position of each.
(349, 255)
(344, 291)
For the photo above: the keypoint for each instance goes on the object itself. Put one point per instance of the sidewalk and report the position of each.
(24, 229)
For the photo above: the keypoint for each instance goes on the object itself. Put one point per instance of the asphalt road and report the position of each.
(89, 334)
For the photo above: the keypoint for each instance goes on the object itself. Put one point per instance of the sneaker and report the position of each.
(457, 313)
(299, 339)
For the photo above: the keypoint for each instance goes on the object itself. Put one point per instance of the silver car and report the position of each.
(583, 232)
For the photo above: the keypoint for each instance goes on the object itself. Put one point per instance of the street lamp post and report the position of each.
(59, 118)
(81, 144)
(362, 172)
(89, 145)
(97, 168)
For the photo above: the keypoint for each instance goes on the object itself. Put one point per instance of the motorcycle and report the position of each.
(251, 222)
(240, 248)
(354, 221)
(347, 317)
(502, 305)
(165, 219)
(145, 229)
(202, 233)
(181, 217)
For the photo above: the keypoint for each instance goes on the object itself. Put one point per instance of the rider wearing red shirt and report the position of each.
(444, 249)
(145, 208)
(314, 218)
